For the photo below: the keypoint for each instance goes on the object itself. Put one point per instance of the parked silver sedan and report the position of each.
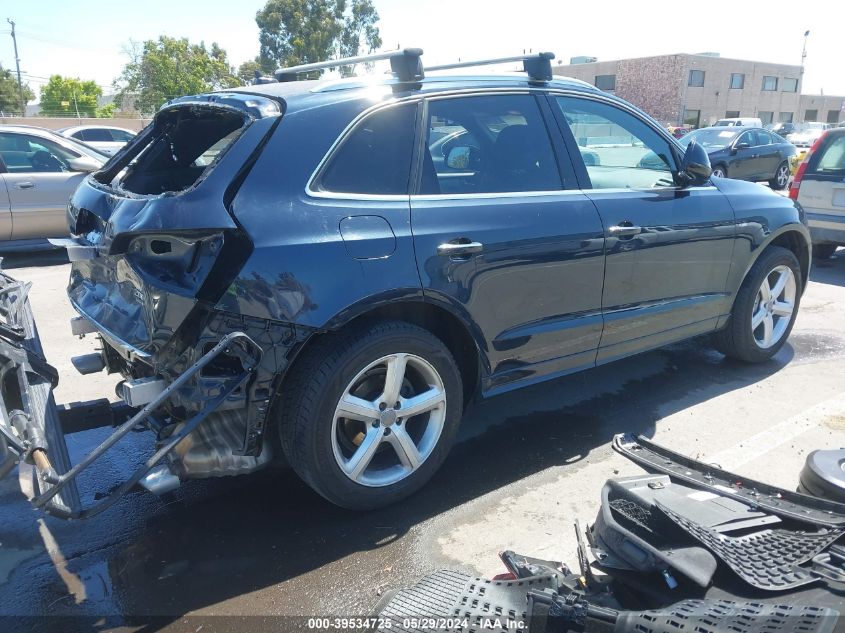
(40, 170)
(104, 138)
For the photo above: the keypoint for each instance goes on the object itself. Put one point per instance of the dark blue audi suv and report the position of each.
(323, 273)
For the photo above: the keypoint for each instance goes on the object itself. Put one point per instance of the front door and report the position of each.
(500, 239)
(668, 249)
(39, 182)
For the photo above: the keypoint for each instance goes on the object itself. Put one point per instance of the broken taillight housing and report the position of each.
(174, 263)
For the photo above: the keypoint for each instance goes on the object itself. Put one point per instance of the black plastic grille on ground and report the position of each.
(767, 559)
(720, 616)
(456, 597)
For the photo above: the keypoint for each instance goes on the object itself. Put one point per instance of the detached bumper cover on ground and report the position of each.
(31, 427)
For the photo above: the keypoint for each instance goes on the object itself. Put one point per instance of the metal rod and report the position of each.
(490, 62)
(127, 426)
(18, 67)
(348, 61)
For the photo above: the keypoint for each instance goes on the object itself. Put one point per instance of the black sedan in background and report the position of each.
(745, 153)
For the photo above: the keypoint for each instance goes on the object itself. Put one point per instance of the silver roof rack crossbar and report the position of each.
(538, 66)
(405, 64)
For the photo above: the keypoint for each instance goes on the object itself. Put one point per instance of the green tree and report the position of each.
(65, 96)
(10, 98)
(306, 31)
(160, 70)
(107, 111)
(246, 71)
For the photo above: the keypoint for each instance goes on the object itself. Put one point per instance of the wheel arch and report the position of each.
(441, 320)
(793, 240)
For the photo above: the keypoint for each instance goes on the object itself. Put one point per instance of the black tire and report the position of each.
(824, 251)
(736, 339)
(774, 183)
(722, 168)
(313, 389)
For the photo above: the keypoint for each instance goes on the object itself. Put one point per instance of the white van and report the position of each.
(742, 120)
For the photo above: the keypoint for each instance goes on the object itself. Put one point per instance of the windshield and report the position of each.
(710, 138)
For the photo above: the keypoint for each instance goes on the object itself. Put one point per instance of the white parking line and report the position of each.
(750, 448)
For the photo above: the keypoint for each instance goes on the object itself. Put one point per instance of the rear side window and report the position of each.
(831, 159)
(375, 158)
(120, 136)
(97, 135)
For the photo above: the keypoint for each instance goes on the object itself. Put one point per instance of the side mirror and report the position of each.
(83, 164)
(739, 146)
(459, 158)
(695, 167)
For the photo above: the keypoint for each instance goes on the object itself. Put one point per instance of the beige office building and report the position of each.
(698, 89)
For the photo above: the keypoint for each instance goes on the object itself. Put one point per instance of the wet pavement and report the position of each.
(266, 545)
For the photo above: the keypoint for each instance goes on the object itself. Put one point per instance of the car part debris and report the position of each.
(823, 475)
(768, 559)
(777, 501)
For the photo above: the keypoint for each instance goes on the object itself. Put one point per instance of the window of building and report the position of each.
(811, 115)
(766, 116)
(606, 82)
(375, 158)
(790, 84)
(785, 117)
(770, 83)
(731, 114)
(503, 146)
(601, 130)
(692, 117)
(696, 78)
(833, 116)
(737, 81)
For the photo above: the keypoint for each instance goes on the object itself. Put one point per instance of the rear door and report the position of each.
(669, 249)
(768, 152)
(510, 243)
(39, 182)
(5, 205)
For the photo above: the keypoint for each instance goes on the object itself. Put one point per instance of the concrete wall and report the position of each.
(658, 85)
(824, 105)
(56, 123)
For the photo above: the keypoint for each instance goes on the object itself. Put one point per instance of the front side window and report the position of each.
(763, 137)
(618, 149)
(737, 81)
(790, 84)
(487, 144)
(696, 78)
(23, 153)
(375, 158)
(770, 83)
(747, 138)
(605, 82)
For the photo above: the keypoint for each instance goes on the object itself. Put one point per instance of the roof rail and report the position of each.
(538, 67)
(405, 64)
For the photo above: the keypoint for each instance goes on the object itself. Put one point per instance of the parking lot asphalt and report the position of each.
(528, 464)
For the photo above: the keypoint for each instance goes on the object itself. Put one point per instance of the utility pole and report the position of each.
(804, 53)
(801, 74)
(18, 66)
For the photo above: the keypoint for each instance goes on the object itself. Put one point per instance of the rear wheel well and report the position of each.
(442, 323)
(794, 241)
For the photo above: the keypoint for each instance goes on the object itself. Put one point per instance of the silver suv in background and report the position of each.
(819, 186)
(39, 170)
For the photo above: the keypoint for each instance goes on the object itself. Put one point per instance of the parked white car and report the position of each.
(807, 134)
(105, 138)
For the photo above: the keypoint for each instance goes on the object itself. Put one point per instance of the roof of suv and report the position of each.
(309, 93)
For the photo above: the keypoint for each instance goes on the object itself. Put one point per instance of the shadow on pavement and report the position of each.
(53, 257)
(829, 271)
(221, 540)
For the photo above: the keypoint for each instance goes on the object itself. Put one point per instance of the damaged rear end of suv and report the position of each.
(153, 247)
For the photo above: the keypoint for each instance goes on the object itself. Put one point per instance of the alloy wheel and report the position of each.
(719, 173)
(773, 306)
(782, 176)
(388, 420)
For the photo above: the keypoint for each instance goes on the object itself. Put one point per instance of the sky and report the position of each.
(87, 39)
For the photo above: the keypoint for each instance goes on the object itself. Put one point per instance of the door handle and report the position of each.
(460, 247)
(26, 184)
(624, 229)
